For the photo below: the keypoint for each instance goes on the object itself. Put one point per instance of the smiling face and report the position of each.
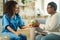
(50, 9)
(16, 9)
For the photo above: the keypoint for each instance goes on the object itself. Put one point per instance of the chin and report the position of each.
(16, 13)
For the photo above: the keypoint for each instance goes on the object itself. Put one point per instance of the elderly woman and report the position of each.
(52, 24)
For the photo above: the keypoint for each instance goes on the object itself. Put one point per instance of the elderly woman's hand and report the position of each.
(36, 24)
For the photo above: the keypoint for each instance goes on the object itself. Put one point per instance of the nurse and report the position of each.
(11, 21)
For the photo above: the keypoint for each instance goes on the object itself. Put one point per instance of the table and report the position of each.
(29, 32)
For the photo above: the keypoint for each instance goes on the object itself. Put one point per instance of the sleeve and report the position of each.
(21, 22)
(42, 26)
(52, 24)
(5, 22)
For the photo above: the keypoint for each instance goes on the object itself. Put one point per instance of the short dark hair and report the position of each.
(9, 7)
(54, 5)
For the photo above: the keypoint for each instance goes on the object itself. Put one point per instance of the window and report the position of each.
(1, 7)
(47, 1)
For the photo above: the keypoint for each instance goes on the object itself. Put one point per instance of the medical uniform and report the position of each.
(14, 23)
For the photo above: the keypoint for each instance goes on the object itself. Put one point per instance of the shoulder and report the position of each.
(55, 15)
(58, 14)
(5, 16)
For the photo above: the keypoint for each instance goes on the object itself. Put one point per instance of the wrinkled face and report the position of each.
(16, 9)
(50, 9)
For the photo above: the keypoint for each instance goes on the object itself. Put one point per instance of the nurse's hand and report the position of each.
(10, 29)
(19, 32)
(16, 33)
(30, 25)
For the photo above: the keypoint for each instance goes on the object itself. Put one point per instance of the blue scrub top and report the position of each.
(13, 23)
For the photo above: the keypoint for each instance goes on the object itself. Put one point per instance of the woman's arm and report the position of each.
(25, 27)
(52, 23)
(6, 24)
(11, 30)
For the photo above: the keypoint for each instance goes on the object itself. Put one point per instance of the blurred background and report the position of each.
(31, 10)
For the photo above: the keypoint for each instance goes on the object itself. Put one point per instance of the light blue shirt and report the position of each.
(13, 23)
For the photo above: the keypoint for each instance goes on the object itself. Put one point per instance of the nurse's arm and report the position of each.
(25, 27)
(11, 30)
